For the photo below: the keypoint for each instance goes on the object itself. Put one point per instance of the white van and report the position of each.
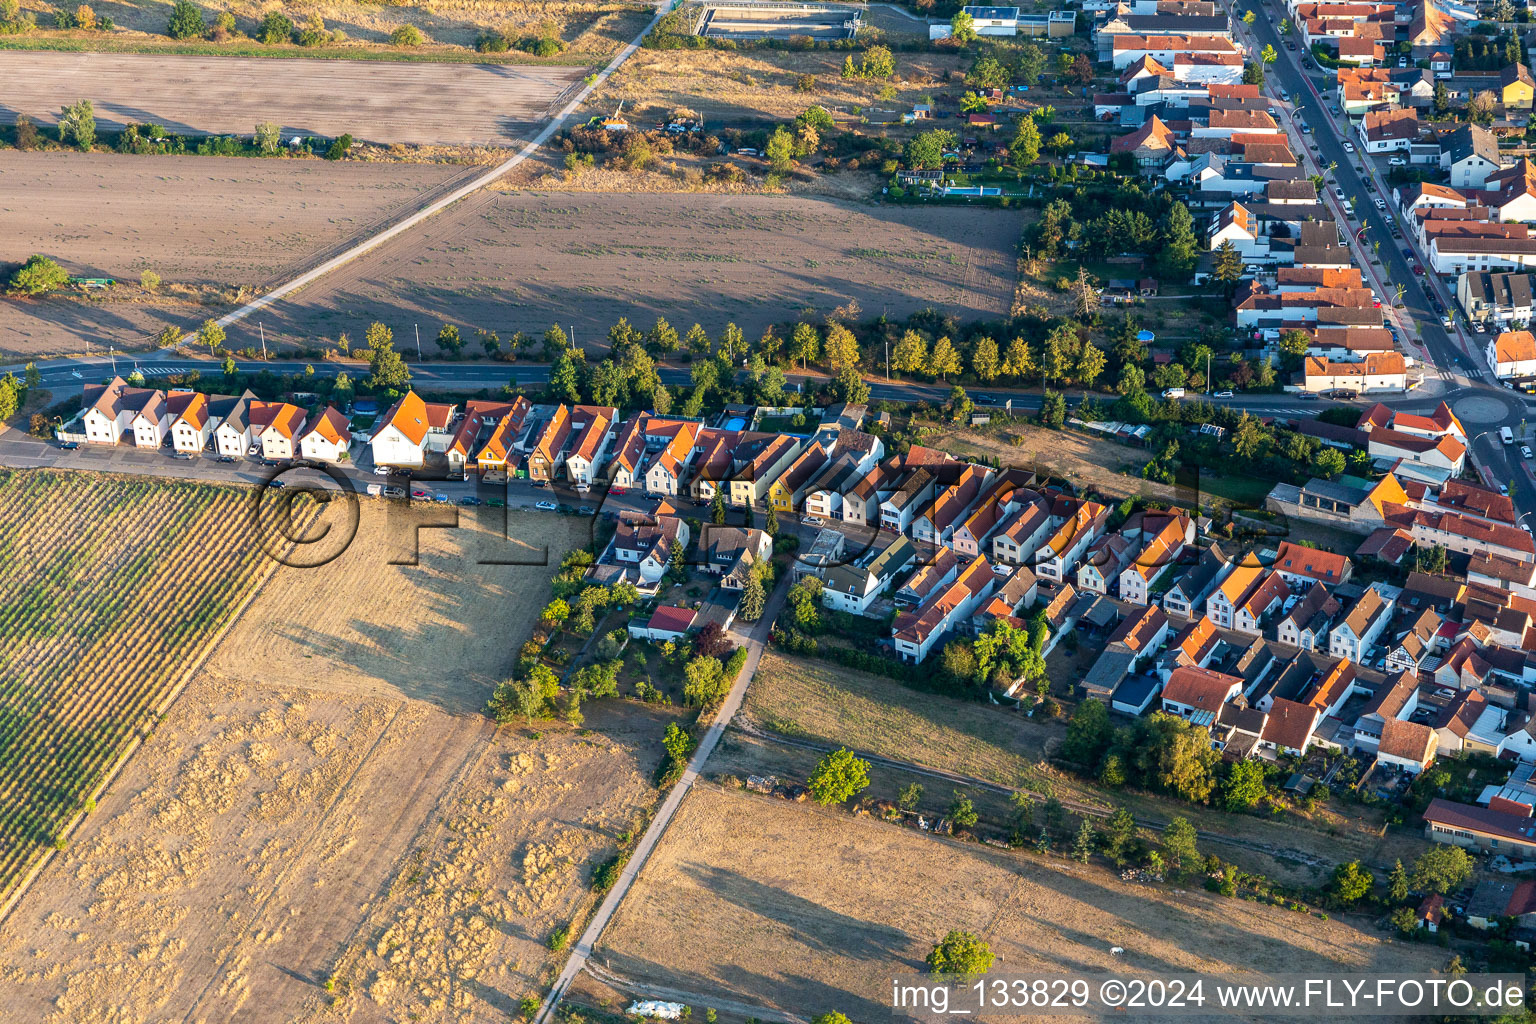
(1174, 393)
(374, 490)
(1506, 435)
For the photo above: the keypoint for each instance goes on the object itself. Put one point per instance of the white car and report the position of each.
(381, 471)
(1397, 161)
(547, 506)
(1381, 205)
(75, 374)
(1349, 147)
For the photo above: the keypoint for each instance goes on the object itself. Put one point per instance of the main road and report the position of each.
(1482, 405)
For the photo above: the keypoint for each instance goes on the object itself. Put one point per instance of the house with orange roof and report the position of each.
(485, 437)
(1191, 647)
(861, 500)
(591, 430)
(971, 536)
(940, 568)
(936, 521)
(1159, 548)
(1407, 745)
(1022, 532)
(1302, 566)
(1512, 354)
(918, 632)
(1378, 371)
(1289, 728)
(327, 437)
(278, 427)
(713, 463)
(1233, 591)
(410, 428)
(192, 423)
(1078, 523)
(1197, 694)
(1150, 145)
(1267, 597)
(548, 453)
(1102, 563)
(233, 435)
(667, 467)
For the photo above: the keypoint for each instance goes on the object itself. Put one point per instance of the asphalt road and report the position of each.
(1482, 405)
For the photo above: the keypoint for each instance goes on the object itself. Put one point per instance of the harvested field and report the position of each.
(589, 29)
(424, 104)
(111, 591)
(812, 910)
(526, 259)
(103, 215)
(309, 837)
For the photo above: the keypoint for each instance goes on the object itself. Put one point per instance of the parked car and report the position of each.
(618, 491)
(418, 492)
(1381, 204)
(278, 484)
(381, 471)
(1349, 147)
(469, 500)
(441, 499)
(1525, 451)
(1397, 161)
(225, 458)
(69, 446)
(1222, 394)
(496, 502)
(1173, 393)
(586, 510)
(1445, 321)
(394, 492)
(183, 456)
(1480, 327)
(1418, 269)
(1338, 194)
(546, 506)
(1308, 396)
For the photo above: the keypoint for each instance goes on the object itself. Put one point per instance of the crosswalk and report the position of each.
(162, 370)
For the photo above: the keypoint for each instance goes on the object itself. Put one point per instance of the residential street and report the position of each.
(756, 640)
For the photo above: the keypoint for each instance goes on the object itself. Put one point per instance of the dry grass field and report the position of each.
(757, 85)
(589, 29)
(830, 705)
(810, 910)
(416, 104)
(111, 590)
(326, 826)
(523, 260)
(198, 222)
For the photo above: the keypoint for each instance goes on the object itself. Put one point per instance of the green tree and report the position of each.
(1090, 364)
(1088, 733)
(555, 342)
(704, 683)
(1245, 785)
(1442, 869)
(753, 599)
(961, 811)
(841, 348)
(909, 797)
(268, 138)
(984, 360)
(1180, 250)
(910, 353)
(564, 381)
(839, 776)
(878, 62)
(1025, 147)
(78, 122)
(1351, 883)
(211, 334)
(832, 1017)
(1019, 363)
(1119, 833)
(849, 386)
(10, 399)
(1397, 883)
(449, 341)
(1253, 74)
(1031, 63)
(943, 360)
(962, 28)
(780, 151)
(275, 27)
(186, 21)
(387, 371)
(1229, 263)
(1268, 54)
(1295, 342)
(1179, 845)
(38, 276)
(805, 344)
(1328, 463)
(1082, 846)
(960, 954)
(663, 336)
(717, 507)
(1053, 410)
(1112, 772)
(927, 149)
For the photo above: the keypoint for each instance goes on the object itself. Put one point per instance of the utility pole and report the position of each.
(418, 342)
(887, 360)
(573, 337)
(1208, 388)
(112, 351)
(262, 328)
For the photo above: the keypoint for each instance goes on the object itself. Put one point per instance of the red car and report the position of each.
(1417, 269)
(617, 491)
(419, 493)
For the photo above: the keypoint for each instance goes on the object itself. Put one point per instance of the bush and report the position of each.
(186, 21)
(38, 276)
(25, 132)
(407, 35)
(275, 28)
(314, 33)
(340, 148)
(492, 42)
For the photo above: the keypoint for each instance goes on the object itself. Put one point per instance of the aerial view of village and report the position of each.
(767, 511)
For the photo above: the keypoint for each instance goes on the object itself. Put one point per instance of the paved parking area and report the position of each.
(377, 101)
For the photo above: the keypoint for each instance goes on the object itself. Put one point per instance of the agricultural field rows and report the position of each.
(110, 591)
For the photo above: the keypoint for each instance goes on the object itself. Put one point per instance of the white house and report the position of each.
(278, 426)
(853, 588)
(150, 419)
(327, 438)
(1512, 354)
(994, 21)
(191, 421)
(1361, 626)
(233, 436)
(410, 428)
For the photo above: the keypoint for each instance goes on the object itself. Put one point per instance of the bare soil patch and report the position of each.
(325, 826)
(430, 104)
(813, 910)
(520, 261)
(198, 222)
